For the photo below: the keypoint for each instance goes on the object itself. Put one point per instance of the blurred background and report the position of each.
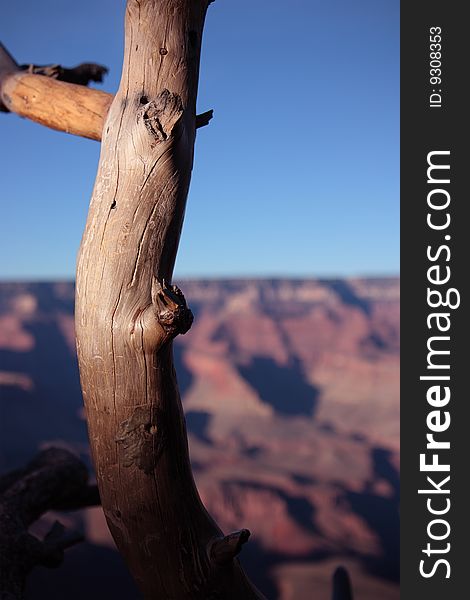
(289, 260)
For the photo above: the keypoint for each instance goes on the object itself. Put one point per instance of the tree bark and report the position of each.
(127, 314)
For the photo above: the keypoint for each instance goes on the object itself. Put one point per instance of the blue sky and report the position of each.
(296, 175)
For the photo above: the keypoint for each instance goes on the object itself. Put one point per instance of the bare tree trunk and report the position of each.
(127, 315)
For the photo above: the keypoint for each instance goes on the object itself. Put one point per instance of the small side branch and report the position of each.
(203, 119)
(224, 550)
(54, 480)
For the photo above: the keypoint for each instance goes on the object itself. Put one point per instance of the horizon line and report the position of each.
(265, 277)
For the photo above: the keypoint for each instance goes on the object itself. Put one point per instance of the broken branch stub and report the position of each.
(225, 549)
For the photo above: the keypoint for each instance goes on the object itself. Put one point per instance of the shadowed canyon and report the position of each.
(291, 395)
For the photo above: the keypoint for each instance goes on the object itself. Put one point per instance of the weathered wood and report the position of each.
(54, 480)
(45, 99)
(127, 315)
(67, 107)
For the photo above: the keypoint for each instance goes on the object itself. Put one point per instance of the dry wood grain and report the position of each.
(67, 107)
(44, 98)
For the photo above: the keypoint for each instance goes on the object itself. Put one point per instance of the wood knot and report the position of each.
(161, 115)
(171, 309)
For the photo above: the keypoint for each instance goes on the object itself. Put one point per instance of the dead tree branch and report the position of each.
(54, 480)
(58, 98)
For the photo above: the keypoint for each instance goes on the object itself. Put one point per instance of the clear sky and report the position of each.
(296, 175)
